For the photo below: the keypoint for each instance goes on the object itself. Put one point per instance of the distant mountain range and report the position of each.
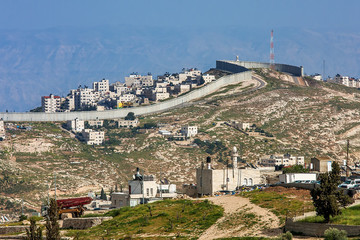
(40, 62)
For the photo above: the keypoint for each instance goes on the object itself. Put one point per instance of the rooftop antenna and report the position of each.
(323, 69)
(272, 55)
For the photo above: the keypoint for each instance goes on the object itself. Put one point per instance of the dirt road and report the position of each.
(241, 218)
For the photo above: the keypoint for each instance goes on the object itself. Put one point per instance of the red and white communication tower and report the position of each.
(272, 59)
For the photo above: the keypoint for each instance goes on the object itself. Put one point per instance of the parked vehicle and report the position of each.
(349, 183)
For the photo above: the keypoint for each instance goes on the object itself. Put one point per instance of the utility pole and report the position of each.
(143, 187)
(201, 178)
(348, 172)
(48, 194)
(55, 184)
(160, 183)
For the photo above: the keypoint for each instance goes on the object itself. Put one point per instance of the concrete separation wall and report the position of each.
(318, 229)
(231, 65)
(83, 223)
(121, 113)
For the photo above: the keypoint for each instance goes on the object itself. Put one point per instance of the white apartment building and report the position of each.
(182, 88)
(208, 78)
(50, 103)
(102, 86)
(2, 129)
(135, 80)
(344, 80)
(128, 123)
(284, 160)
(191, 74)
(92, 137)
(128, 97)
(158, 96)
(96, 123)
(84, 97)
(189, 131)
(76, 125)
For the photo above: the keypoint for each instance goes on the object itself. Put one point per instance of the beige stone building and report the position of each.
(50, 103)
(321, 164)
(284, 160)
(2, 130)
(128, 123)
(96, 123)
(189, 131)
(210, 181)
(92, 137)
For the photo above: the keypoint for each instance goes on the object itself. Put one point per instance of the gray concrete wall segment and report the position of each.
(120, 113)
(318, 229)
(297, 71)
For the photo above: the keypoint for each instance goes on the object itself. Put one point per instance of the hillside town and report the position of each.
(136, 90)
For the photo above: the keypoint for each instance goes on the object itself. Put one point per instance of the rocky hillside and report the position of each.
(309, 120)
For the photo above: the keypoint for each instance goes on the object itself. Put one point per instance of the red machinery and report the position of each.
(75, 206)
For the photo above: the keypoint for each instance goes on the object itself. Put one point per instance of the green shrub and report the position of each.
(335, 234)
(287, 236)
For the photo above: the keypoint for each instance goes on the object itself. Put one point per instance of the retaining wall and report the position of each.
(12, 229)
(231, 65)
(83, 223)
(240, 75)
(318, 229)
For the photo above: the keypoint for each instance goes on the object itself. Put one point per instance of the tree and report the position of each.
(52, 225)
(33, 233)
(103, 194)
(295, 169)
(130, 116)
(328, 198)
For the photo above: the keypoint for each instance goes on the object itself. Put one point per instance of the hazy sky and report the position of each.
(27, 14)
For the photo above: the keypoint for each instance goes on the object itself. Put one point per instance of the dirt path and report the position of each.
(241, 218)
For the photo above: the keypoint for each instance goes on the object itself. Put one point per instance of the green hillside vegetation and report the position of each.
(349, 216)
(308, 121)
(184, 219)
(282, 204)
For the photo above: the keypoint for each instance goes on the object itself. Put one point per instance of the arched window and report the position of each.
(245, 182)
(250, 182)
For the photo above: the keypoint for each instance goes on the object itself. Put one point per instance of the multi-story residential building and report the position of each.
(158, 96)
(281, 160)
(92, 137)
(189, 74)
(135, 80)
(128, 123)
(182, 88)
(2, 130)
(96, 123)
(128, 97)
(208, 78)
(102, 86)
(189, 131)
(76, 125)
(344, 80)
(85, 97)
(50, 103)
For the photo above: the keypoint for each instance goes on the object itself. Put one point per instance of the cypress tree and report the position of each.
(328, 198)
(52, 225)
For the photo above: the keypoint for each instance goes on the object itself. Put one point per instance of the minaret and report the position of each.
(234, 157)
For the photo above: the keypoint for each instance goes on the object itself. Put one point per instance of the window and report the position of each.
(147, 192)
(250, 182)
(151, 191)
(245, 182)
